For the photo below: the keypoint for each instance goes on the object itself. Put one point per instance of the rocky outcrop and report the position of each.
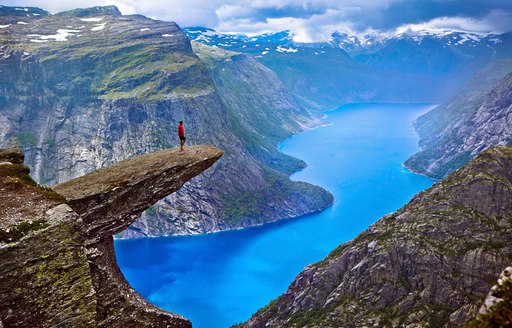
(479, 117)
(497, 308)
(87, 88)
(57, 261)
(429, 264)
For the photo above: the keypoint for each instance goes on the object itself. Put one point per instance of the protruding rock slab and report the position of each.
(57, 261)
(110, 199)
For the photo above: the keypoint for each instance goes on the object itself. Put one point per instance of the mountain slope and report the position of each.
(480, 116)
(261, 119)
(430, 264)
(89, 87)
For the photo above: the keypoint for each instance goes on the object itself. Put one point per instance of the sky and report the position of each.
(310, 20)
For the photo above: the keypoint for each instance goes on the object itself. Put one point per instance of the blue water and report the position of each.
(221, 279)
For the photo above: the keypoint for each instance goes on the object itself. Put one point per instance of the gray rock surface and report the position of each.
(479, 117)
(431, 263)
(57, 261)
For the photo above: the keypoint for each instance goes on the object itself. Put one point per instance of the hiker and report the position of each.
(181, 134)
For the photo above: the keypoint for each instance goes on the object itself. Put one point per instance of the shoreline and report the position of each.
(279, 147)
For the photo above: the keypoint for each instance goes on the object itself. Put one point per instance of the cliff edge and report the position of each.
(57, 261)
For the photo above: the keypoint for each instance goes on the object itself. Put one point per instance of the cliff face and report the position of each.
(458, 130)
(57, 261)
(87, 88)
(429, 264)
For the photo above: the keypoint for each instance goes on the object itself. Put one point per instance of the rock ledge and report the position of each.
(57, 261)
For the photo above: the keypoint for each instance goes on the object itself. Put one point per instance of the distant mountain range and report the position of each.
(423, 66)
(348, 42)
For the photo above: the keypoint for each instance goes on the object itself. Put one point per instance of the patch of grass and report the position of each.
(21, 230)
(16, 174)
(27, 139)
(52, 195)
(13, 155)
(142, 72)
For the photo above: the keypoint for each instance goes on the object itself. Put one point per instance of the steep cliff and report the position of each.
(480, 116)
(260, 119)
(430, 264)
(57, 261)
(89, 87)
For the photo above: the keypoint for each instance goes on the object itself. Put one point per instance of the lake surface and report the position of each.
(221, 279)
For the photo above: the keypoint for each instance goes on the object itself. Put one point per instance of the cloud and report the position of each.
(310, 20)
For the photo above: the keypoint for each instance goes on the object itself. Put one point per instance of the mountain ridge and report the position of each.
(414, 66)
(462, 127)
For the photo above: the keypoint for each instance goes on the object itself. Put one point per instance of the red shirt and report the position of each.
(181, 131)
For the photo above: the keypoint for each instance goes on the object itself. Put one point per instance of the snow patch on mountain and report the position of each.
(283, 49)
(61, 35)
(92, 19)
(98, 27)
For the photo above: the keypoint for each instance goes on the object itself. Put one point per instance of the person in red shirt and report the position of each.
(181, 134)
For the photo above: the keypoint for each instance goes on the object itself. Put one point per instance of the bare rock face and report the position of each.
(479, 117)
(429, 264)
(57, 261)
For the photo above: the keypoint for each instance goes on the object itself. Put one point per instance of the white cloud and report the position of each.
(315, 20)
(488, 24)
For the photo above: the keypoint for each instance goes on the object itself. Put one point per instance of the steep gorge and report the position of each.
(83, 89)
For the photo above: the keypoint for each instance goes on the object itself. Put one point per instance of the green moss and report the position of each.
(439, 316)
(27, 139)
(19, 231)
(16, 174)
(308, 318)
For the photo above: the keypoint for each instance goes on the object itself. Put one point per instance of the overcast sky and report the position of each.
(309, 20)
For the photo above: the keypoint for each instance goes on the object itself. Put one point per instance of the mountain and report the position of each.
(477, 118)
(430, 264)
(425, 66)
(57, 261)
(89, 87)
